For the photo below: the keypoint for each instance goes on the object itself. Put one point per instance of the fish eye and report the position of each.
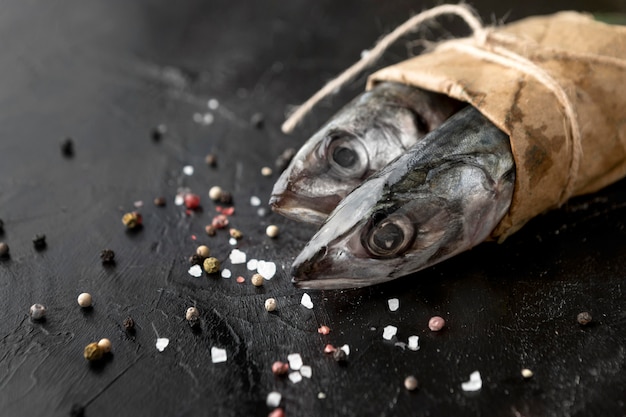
(347, 157)
(390, 237)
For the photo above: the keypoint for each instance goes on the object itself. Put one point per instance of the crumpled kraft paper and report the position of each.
(585, 59)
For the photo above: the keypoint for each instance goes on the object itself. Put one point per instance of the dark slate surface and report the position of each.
(105, 73)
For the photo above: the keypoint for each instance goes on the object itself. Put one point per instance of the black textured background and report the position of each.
(105, 73)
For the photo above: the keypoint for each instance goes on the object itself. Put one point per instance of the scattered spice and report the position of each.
(257, 120)
(220, 221)
(37, 311)
(241, 280)
(273, 399)
(67, 147)
(203, 251)
(389, 332)
(410, 383)
(584, 318)
(226, 198)
(257, 280)
(161, 343)
(129, 324)
(266, 171)
(394, 304)
(132, 220)
(306, 301)
(339, 355)
(226, 273)
(4, 250)
(84, 300)
(215, 193)
(236, 233)
(211, 265)
(270, 304)
(39, 241)
(196, 270)
(527, 373)
(107, 256)
(475, 382)
(277, 412)
(414, 343)
(226, 211)
(210, 160)
(284, 159)
(105, 345)
(93, 352)
(192, 201)
(323, 330)
(272, 231)
(159, 201)
(218, 355)
(210, 230)
(280, 368)
(192, 313)
(436, 323)
(158, 132)
(329, 348)
(196, 259)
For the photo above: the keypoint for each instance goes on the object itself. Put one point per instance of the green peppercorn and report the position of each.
(132, 220)
(211, 265)
(93, 352)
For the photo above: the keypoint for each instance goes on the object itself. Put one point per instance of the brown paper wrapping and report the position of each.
(585, 58)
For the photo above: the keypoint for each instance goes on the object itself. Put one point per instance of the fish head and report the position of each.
(359, 140)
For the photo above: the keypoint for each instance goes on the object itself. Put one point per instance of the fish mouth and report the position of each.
(302, 208)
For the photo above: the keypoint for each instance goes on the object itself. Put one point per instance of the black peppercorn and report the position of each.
(107, 256)
(67, 147)
(39, 241)
(584, 318)
(210, 160)
(4, 250)
(196, 259)
(340, 355)
(129, 324)
(226, 197)
(159, 201)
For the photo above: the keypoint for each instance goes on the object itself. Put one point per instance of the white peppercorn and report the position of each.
(270, 304)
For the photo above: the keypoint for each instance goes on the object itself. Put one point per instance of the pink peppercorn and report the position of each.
(323, 330)
(436, 323)
(280, 368)
(329, 348)
(192, 201)
(278, 412)
(220, 221)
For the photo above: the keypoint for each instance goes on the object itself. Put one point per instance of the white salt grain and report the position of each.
(389, 332)
(273, 399)
(321, 395)
(162, 343)
(232, 241)
(346, 349)
(393, 303)
(255, 201)
(306, 371)
(475, 383)
(195, 271)
(252, 264)
(179, 200)
(306, 301)
(295, 361)
(414, 343)
(237, 257)
(267, 269)
(218, 355)
(188, 170)
(213, 104)
(295, 377)
(207, 119)
(226, 273)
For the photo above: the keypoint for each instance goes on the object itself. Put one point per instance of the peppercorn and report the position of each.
(210, 160)
(339, 355)
(107, 256)
(323, 330)
(192, 313)
(410, 383)
(215, 193)
(271, 231)
(158, 132)
(129, 324)
(226, 197)
(436, 323)
(192, 201)
(236, 233)
(257, 280)
(220, 221)
(280, 368)
(210, 230)
(159, 201)
(196, 259)
(132, 220)
(203, 251)
(527, 373)
(39, 241)
(584, 318)
(270, 304)
(93, 352)
(37, 311)
(277, 412)
(266, 171)
(105, 345)
(67, 147)
(84, 300)
(211, 265)
(4, 250)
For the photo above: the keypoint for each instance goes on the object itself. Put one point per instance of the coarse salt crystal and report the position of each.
(195, 271)
(218, 355)
(295, 361)
(161, 343)
(321, 395)
(414, 343)
(232, 241)
(267, 269)
(226, 273)
(237, 257)
(252, 265)
(273, 399)
(213, 104)
(255, 201)
(475, 383)
(188, 170)
(346, 349)
(306, 301)
(179, 200)
(306, 371)
(393, 303)
(295, 377)
(389, 332)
